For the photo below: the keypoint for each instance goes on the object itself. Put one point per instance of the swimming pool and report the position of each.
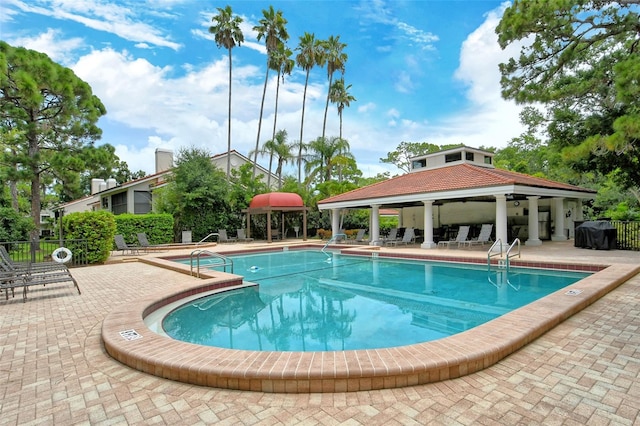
(314, 301)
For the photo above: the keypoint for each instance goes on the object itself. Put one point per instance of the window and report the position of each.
(450, 158)
(418, 164)
(119, 203)
(469, 156)
(487, 159)
(141, 202)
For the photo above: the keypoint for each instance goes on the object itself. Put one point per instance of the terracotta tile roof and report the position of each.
(452, 178)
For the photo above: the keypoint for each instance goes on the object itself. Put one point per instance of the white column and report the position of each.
(428, 226)
(335, 221)
(501, 219)
(374, 232)
(534, 232)
(558, 233)
(400, 221)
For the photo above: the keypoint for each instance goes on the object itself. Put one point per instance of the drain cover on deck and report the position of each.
(573, 292)
(130, 335)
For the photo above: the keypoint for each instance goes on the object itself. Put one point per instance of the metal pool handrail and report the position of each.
(213, 234)
(223, 260)
(333, 238)
(509, 255)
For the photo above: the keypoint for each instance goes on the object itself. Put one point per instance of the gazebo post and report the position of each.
(304, 225)
(282, 233)
(269, 226)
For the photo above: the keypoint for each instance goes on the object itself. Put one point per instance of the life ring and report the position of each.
(64, 259)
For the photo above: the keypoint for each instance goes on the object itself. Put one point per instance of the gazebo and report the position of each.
(283, 202)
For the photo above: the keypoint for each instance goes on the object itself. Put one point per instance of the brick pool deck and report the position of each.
(54, 368)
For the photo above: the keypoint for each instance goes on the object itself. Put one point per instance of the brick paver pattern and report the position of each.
(53, 370)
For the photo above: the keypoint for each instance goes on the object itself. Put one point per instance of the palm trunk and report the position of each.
(340, 165)
(304, 99)
(326, 107)
(264, 93)
(273, 138)
(229, 124)
(270, 165)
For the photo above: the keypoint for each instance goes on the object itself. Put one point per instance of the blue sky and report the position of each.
(421, 71)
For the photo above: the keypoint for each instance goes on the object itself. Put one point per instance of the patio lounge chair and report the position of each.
(34, 266)
(242, 236)
(224, 238)
(124, 247)
(144, 243)
(12, 276)
(391, 238)
(463, 233)
(408, 238)
(10, 280)
(359, 239)
(483, 237)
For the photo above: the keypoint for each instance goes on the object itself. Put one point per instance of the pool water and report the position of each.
(315, 301)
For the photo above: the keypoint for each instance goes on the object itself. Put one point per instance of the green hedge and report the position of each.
(158, 227)
(97, 228)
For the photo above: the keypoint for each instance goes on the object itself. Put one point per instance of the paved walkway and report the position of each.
(53, 369)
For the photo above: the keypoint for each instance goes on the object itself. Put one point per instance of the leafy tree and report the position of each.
(197, 195)
(15, 227)
(311, 54)
(336, 60)
(273, 29)
(53, 113)
(580, 61)
(244, 187)
(99, 163)
(228, 35)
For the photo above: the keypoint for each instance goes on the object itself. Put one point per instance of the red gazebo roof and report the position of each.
(276, 201)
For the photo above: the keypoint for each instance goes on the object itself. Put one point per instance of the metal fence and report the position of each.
(27, 251)
(628, 235)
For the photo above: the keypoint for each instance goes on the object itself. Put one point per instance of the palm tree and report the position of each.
(283, 152)
(228, 34)
(268, 148)
(272, 29)
(339, 95)
(282, 62)
(311, 54)
(325, 155)
(336, 59)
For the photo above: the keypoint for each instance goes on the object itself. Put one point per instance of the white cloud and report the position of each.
(192, 110)
(101, 16)
(51, 43)
(368, 107)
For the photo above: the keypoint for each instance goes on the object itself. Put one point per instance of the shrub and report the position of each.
(157, 226)
(96, 228)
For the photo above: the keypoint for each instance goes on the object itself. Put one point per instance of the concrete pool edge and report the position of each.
(443, 359)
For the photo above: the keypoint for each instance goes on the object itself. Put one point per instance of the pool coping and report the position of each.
(342, 371)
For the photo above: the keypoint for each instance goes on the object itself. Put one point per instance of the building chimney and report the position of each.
(95, 185)
(164, 159)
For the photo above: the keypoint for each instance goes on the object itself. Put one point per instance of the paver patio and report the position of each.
(53, 368)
